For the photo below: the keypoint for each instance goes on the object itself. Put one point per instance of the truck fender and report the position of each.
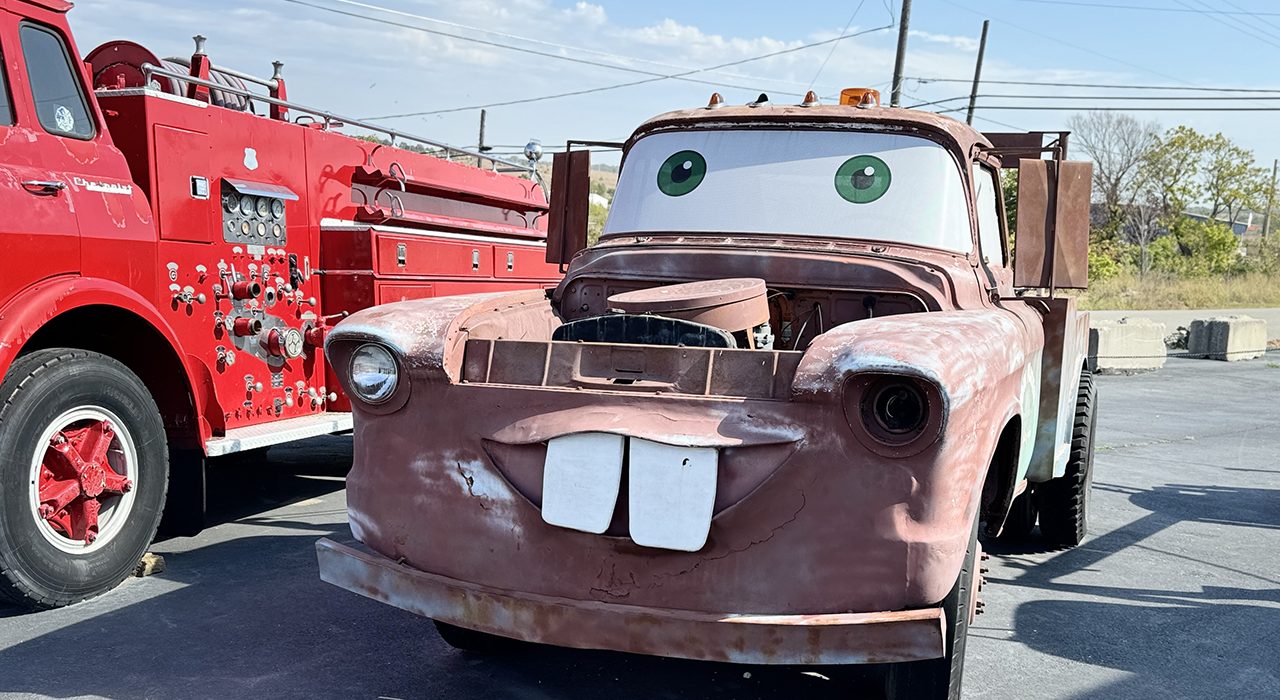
(986, 363)
(35, 307)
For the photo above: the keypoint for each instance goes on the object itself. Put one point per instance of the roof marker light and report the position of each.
(716, 101)
(860, 97)
(761, 101)
(810, 100)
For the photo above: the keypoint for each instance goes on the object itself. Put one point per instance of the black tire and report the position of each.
(43, 387)
(1064, 501)
(941, 678)
(184, 508)
(1021, 519)
(464, 639)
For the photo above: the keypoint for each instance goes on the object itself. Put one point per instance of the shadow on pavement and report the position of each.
(1213, 642)
(249, 617)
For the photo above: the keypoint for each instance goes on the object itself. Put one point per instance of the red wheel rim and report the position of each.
(82, 479)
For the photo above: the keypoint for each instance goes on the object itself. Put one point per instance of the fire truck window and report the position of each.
(6, 107)
(60, 103)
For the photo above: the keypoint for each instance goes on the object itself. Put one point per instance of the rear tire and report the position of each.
(1064, 501)
(941, 678)
(467, 640)
(83, 474)
(1021, 519)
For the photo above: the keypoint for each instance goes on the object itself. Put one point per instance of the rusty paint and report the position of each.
(879, 530)
(837, 638)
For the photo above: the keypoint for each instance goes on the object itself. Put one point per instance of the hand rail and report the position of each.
(149, 70)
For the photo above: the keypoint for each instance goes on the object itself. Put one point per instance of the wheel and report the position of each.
(1064, 501)
(940, 678)
(1022, 518)
(470, 640)
(83, 472)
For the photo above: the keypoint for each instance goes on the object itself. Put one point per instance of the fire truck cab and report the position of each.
(175, 248)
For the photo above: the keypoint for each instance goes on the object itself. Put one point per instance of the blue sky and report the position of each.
(368, 68)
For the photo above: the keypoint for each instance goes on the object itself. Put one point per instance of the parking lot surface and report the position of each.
(1176, 594)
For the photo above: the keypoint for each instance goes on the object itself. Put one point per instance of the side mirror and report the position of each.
(567, 218)
(1051, 250)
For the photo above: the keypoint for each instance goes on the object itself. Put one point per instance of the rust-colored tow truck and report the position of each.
(761, 421)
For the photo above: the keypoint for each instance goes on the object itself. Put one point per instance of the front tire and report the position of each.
(83, 475)
(940, 678)
(464, 639)
(1064, 501)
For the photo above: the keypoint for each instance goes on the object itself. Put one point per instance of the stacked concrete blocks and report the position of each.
(1229, 338)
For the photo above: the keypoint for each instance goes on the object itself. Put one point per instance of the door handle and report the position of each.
(44, 187)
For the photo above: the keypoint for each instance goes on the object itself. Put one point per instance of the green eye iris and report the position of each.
(863, 179)
(682, 173)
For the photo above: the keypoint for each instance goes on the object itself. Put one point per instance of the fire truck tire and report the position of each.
(1064, 501)
(83, 474)
(184, 509)
(464, 639)
(939, 679)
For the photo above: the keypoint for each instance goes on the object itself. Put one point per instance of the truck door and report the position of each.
(112, 215)
(38, 232)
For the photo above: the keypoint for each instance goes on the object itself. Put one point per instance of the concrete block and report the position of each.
(1126, 345)
(1227, 338)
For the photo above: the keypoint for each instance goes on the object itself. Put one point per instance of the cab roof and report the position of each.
(947, 129)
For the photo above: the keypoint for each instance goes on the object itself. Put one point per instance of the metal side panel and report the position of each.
(268, 434)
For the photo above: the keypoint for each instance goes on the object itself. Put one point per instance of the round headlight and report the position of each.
(899, 409)
(374, 373)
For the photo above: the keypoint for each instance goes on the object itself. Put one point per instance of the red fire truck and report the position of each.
(175, 246)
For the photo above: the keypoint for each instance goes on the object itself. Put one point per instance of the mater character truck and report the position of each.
(762, 421)
(175, 246)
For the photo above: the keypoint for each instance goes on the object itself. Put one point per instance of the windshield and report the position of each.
(843, 184)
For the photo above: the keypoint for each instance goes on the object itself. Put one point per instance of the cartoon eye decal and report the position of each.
(863, 179)
(682, 173)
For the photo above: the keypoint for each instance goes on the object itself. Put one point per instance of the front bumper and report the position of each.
(839, 638)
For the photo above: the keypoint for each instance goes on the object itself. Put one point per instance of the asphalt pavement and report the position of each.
(1176, 594)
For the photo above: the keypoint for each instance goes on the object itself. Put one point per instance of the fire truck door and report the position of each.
(38, 233)
(111, 214)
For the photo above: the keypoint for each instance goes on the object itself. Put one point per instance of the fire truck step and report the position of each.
(267, 434)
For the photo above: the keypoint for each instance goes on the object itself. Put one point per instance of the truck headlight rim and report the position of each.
(378, 362)
(917, 424)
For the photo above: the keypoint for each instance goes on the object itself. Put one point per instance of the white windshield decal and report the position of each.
(864, 185)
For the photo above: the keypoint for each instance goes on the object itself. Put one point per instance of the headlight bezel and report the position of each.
(390, 391)
(862, 393)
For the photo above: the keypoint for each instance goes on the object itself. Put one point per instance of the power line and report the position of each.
(1057, 40)
(583, 61)
(1192, 88)
(533, 40)
(1127, 109)
(1126, 97)
(834, 46)
(1111, 6)
(1236, 24)
(657, 77)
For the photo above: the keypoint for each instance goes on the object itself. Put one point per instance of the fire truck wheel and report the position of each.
(940, 678)
(83, 470)
(464, 639)
(1064, 501)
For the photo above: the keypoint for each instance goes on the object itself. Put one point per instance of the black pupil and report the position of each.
(864, 178)
(681, 172)
(899, 409)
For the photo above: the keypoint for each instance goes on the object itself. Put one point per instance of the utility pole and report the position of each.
(480, 147)
(977, 70)
(895, 99)
(1271, 201)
